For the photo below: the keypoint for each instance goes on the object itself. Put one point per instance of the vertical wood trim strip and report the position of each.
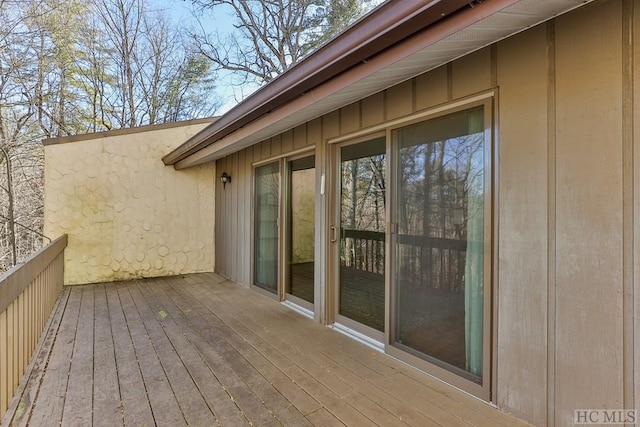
(25, 327)
(551, 224)
(218, 230)
(247, 216)
(32, 318)
(37, 302)
(19, 331)
(321, 255)
(241, 185)
(223, 267)
(235, 249)
(449, 82)
(414, 97)
(495, 211)
(628, 357)
(4, 384)
(10, 351)
(15, 314)
(494, 65)
(22, 327)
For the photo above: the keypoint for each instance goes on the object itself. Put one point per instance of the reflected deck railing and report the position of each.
(364, 250)
(28, 293)
(421, 259)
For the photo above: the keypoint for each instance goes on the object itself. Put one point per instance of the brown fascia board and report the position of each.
(125, 131)
(387, 25)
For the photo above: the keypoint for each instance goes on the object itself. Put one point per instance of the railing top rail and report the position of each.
(15, 280)
(363, 234)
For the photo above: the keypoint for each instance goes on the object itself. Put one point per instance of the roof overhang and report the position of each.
(396, 42)
(126, 131)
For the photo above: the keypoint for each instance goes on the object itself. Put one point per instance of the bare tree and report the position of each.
(174, 79)
(153, 74)
(69, 67)
(121, 21)
(271, 35)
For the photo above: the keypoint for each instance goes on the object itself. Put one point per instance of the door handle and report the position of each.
(334, 234)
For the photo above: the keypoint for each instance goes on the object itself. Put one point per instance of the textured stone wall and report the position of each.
(128, 215)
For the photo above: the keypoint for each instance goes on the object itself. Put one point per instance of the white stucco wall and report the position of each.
(128, 215)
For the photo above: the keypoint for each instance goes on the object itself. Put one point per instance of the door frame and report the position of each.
(459, 380)
(367, 334)
(286, 229)
(282, 161)
(331, 146)
(253, 230)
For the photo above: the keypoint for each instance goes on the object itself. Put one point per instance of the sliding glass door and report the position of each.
(266, 227)
(441, 250)
(284, 229)
(362, 224)
(300, 231)
(410, 212)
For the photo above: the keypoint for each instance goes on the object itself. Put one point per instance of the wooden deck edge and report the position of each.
(24, 397)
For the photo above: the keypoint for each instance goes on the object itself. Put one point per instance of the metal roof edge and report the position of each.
(385, 26)
(237, 130)
(125, 131)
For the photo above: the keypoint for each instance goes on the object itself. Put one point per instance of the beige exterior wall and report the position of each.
(567, 217)
(523, 224)
(126, 213)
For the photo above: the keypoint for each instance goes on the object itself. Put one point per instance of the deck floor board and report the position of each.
(203, 365)
(48, 407)
(255, 334)
(210, 338)
(164, 405)
(201, 350)
(155, 318)
(230, 356)
(107, 410)
(79, 394)
(134, 402)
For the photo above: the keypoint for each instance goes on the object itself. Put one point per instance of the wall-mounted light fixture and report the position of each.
(226, 179)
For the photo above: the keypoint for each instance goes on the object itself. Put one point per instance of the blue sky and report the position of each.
(180, 12)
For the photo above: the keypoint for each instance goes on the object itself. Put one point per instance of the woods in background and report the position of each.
(269, 35)
(71, 67)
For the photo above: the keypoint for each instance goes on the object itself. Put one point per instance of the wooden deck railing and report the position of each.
(28, 293)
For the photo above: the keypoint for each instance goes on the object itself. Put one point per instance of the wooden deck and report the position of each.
(200, 350)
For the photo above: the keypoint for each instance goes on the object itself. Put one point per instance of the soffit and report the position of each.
(422, 53)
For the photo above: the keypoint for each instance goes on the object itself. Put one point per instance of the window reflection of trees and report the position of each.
(363, 213)
(436, 181)
(266, 226)
(439, 209)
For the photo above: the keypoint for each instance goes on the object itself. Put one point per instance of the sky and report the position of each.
(181, 12)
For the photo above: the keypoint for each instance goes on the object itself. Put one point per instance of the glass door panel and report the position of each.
(439, 268)
(267, 191)
(362, 233)
(301, 215)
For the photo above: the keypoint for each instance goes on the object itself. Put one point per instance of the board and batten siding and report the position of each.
(567, 210)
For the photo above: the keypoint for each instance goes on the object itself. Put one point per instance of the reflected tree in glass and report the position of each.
(439, 205)
(267, 190)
